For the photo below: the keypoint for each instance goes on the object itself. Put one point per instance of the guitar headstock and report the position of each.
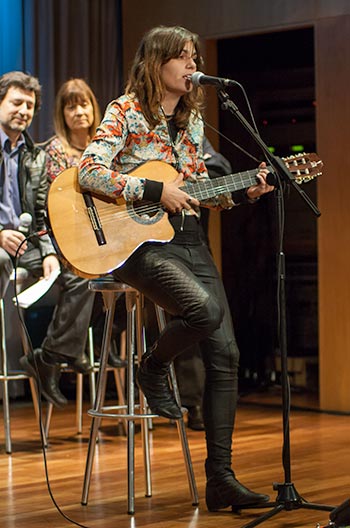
(304, 167)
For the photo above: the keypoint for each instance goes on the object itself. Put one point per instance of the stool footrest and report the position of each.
(14, 375)
(104, 413)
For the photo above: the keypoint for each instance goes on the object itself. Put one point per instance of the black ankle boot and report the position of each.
(224, 490)
(195, 418)
(153, 381)
(49, 376)
(81, 364)
(114, 359)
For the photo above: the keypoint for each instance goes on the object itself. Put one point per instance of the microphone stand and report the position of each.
(287, 496)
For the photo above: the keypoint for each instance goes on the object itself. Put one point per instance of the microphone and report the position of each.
(198, 78)
(25, 221)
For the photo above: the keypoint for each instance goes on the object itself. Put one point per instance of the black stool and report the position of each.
(111, 290)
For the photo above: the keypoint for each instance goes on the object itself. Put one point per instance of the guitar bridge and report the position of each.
(94, 219)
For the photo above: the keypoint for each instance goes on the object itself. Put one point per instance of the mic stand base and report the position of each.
(288, 499)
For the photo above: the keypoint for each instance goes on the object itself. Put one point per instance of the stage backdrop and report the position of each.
(56, 40)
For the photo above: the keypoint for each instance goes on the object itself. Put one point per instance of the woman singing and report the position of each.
(159, 118)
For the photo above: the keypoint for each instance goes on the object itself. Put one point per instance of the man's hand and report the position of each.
(50, 264)
(263, 187)
(174, 199)
(10, 240)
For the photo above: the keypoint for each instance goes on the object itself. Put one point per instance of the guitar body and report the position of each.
(125, 225)
(95, 234)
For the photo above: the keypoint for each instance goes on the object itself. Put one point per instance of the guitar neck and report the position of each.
(231, 182)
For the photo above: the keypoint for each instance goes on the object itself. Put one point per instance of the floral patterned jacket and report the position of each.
(124, 140)
(57, 159)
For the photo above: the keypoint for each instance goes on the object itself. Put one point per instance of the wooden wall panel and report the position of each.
(333, 140)
(222, 18)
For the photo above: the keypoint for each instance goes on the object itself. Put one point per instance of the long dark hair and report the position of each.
(157, 47)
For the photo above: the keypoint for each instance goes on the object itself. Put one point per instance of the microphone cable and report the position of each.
(236, 145)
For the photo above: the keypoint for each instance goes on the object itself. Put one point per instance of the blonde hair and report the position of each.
(157, 47)
(74, 91)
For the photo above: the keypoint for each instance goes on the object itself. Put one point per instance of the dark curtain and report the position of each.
(72, 38)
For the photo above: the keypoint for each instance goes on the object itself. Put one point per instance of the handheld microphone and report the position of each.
(198, 78)
(25, 221)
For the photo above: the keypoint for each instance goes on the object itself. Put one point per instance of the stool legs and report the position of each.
(180, 423)
(92, 381)
(145, 423)
(109, 301)
(135, 343)
(134, 309)
(130, 299)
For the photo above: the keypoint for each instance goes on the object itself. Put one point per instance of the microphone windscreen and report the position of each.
(25, 221)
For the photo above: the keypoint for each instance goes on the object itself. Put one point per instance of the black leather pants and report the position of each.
(183, 279)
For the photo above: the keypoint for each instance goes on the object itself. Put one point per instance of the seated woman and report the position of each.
(76, 117)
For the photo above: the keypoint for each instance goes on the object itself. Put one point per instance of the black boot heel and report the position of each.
(213, 500)
(228, 491)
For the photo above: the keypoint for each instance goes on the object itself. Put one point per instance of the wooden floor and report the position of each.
(320, 471)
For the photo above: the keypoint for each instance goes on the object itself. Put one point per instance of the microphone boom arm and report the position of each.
(277, 164)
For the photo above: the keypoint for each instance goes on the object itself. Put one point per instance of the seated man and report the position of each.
(23, 189)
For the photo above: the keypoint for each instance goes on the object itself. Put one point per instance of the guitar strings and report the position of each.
(150, 209)
(196, 193)
(220, 185)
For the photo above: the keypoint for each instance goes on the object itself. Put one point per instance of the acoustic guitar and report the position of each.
(95, 234)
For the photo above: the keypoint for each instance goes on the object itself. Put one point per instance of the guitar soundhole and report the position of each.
(145, 213)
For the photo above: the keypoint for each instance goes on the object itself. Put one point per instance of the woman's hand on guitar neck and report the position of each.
(255, 191)
(174, 198)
